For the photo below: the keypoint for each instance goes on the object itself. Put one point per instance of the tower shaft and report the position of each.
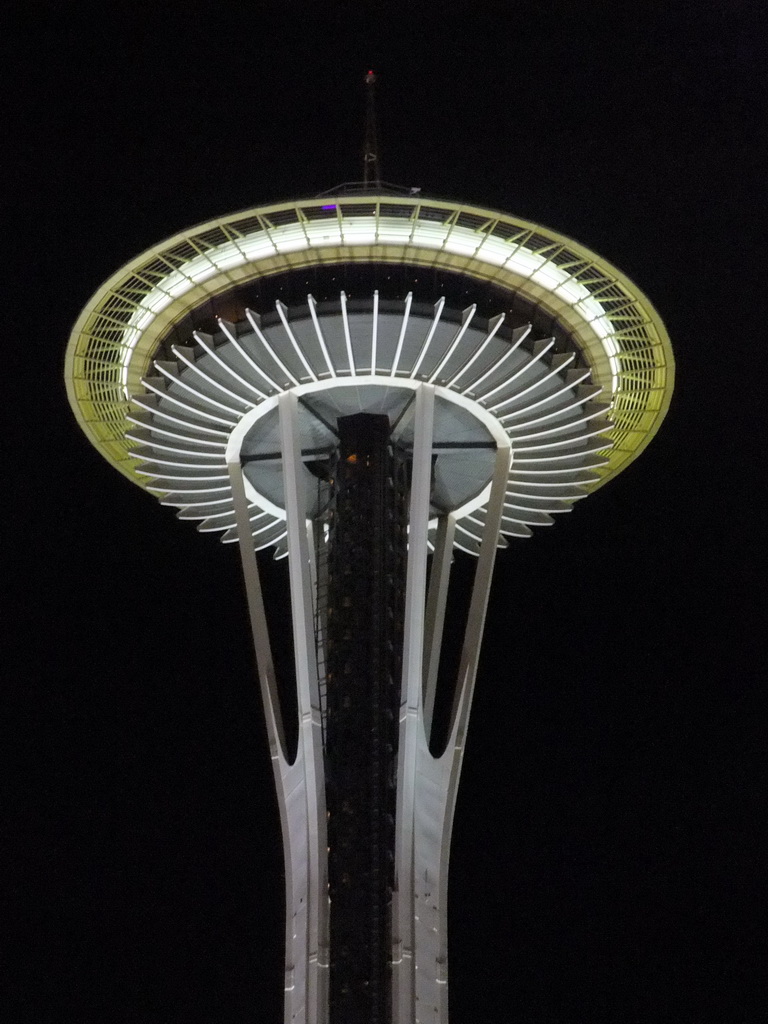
(366, 566)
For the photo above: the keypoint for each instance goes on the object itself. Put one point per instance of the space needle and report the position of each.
(368, 383)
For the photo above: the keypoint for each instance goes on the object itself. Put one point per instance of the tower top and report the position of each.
(371, 171)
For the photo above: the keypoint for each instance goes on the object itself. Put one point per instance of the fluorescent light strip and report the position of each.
(374, 330)
(194, 504)
(154, 460)
(183, 478)
(362, 231)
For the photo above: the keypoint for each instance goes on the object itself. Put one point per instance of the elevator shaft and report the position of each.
(367, 551)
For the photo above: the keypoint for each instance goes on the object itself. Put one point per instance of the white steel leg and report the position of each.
(437, 785)
(403, 984)
(310, 724)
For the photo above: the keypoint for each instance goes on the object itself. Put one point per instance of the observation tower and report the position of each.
(366, 383)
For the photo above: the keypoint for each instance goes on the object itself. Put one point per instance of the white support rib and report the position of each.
(163, 415)
(374, 331)
(320, 335)
(569, 385)
(347, 337)
(152, 428)
(403, 965)
(282, 309)
(253, 320)
(555, 370)
(202, 341)
(494, 326)
(518, 336)
(403, 329)
(162, 393)
(430, 333)
(230, 333)
(466, 320)
(143, 456)
(178, 351)
(175, 379)
(173, 448)
(310, 725)
(540, 349)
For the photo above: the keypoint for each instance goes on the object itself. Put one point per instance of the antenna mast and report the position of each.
(371, 174)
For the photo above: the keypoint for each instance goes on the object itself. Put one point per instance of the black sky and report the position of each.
(604, 864)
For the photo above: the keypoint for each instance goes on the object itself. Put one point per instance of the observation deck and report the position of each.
(494, 259)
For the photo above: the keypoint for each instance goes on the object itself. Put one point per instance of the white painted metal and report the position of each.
(320, 336)
(347, 335)
(401, 336)
(436, 788)
(439, 306)
(282, 309)
(403, 981)
(310, 721)
(494, 326)
(205, 341)
(229, 330)
(466, 319)
(255, 321)
(172, 375)
(299, 784)
(186, 356)
(290, 779)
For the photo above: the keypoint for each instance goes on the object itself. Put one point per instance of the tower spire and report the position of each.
(371, 173)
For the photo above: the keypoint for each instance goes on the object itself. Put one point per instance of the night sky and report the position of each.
(604, 865)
